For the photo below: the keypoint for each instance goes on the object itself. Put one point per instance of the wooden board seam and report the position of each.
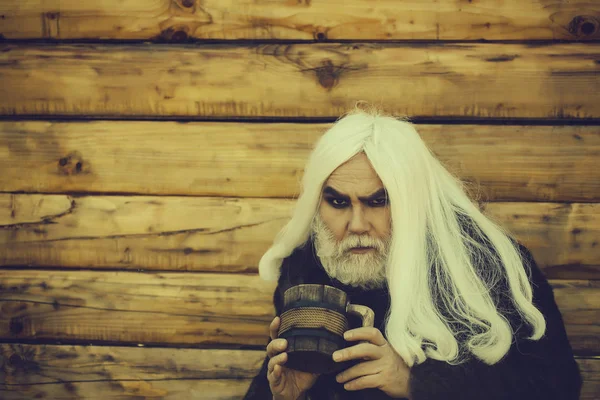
(417, 119)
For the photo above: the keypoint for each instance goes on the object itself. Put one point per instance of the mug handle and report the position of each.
(363, 312)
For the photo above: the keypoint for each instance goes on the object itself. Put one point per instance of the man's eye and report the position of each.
(379, 202)
(338, 203)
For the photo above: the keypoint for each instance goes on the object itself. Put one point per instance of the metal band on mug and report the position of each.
(321, 333)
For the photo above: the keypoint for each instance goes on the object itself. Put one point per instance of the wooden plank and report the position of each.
(562, 237)
(304, 20)
(146, 308)
(231, 234)
(503, 163)
(191, 309)
(579, 304)
(477, 80)
(167, 233)
(209, 389)
(29, 369)
(24, 364)
(590, 372)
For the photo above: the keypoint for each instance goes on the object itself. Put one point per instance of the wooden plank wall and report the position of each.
(149, 151)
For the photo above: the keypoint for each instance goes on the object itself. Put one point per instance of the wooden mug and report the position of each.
(313, 321)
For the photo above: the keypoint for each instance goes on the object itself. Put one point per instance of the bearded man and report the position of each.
(461, 309)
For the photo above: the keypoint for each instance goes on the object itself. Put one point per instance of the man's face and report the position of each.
(353, 226)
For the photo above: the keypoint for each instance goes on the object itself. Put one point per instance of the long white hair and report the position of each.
(432, 260)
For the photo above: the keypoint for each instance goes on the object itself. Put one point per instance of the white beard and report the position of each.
(366, 270)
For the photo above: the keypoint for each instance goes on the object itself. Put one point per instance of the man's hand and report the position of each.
(285, 383)
(382, 367)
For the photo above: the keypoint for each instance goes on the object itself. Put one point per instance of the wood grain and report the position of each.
(579, 304)
(590, 373)
(168, 233)
(178, 20)
(148, 308)
(209, 389)
(499, 163)
(23, 364)
(231, 234)
(192, 309)
(58, 371)
(478, 80)
(560, 236)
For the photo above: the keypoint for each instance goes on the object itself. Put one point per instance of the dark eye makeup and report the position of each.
(340, 200)
(337, 202)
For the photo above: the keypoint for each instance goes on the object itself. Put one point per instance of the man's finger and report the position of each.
(276, 346)
(274, 377)
(274, 328)
(365, 351)
(277, 360)
(364, 382)
(369, 334)
(361, 369)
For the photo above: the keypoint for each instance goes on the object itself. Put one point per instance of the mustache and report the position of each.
(361, 241)
(320, 229)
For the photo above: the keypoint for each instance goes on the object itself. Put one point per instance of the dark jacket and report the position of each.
(544, 369)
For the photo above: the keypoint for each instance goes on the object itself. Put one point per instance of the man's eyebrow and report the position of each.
(379, 193)
(331, 191)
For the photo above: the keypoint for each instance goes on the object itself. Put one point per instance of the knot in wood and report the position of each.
(173, 34)
(16, 326)
(179, 36)
(15, 360)
(71, 164)
(584, 26)
(320, 36)
(327, 74)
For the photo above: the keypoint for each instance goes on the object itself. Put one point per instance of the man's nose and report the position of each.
(358, 223)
